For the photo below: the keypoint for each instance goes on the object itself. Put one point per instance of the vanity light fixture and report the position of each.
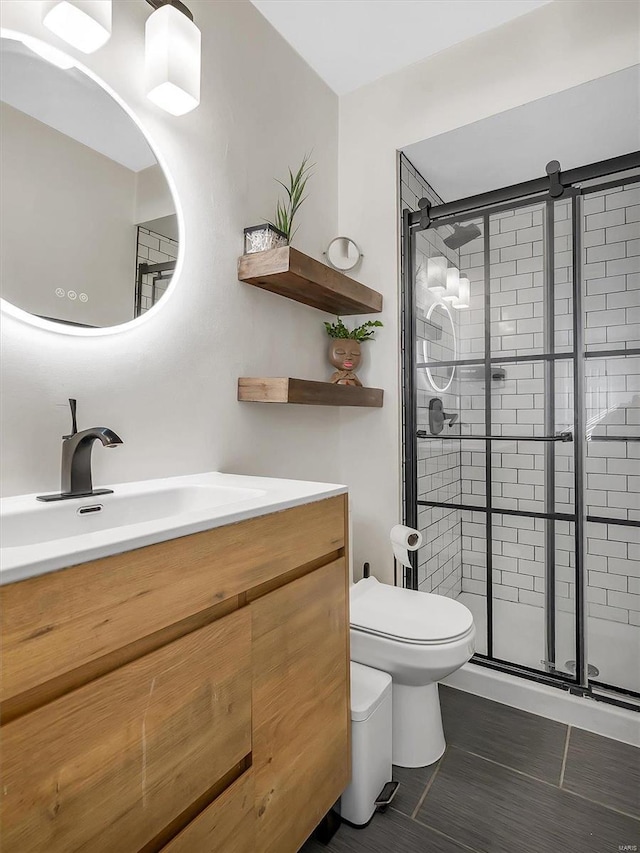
(437, 274)
(464, 293)
(84, 24)
(171, 45)
(452, 291)
(172, 57)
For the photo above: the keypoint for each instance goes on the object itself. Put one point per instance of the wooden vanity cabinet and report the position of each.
(188, 697)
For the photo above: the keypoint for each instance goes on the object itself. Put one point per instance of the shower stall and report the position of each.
(521, 370)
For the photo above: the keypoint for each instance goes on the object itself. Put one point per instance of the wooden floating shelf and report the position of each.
(290, 273)
(286, 390)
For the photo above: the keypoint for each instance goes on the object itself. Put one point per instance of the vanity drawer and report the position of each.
(226, 826)
(60, 622)
(108, 766)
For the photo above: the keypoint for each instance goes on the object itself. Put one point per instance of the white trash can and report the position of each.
(371, 743)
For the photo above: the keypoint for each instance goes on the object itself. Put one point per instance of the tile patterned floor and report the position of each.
(509, 782)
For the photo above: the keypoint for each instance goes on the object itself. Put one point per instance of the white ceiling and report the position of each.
(71, 103)
(595, 121)
(352, 42)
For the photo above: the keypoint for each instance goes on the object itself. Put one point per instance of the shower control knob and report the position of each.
(438, 416)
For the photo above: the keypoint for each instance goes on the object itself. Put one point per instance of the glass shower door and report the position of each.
(611, 286)
(521, 358)
(494, 418)
(533, 468)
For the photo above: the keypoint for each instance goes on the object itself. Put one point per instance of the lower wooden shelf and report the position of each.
(306, 391)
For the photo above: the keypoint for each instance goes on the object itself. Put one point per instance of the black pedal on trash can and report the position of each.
(386, 795)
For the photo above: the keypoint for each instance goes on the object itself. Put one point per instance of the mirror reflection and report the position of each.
(88, 224)
(441, 345)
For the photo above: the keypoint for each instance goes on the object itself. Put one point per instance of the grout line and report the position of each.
(635, 817)
(507, 767)
(448, 837)
(428, 786)
(551, 785)
(564, 757)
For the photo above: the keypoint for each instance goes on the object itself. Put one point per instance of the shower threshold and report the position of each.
(519, 637)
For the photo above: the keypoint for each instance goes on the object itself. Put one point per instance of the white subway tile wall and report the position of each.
(439, 474)
(613, 564)
(612, 389)
(612, 268)
(153, 249)
(518, 466)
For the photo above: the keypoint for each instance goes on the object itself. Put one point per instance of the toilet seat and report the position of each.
(406, 615)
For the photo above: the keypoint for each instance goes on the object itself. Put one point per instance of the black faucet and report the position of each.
(76, 479)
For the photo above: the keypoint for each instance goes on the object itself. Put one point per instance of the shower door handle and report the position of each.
(561, 436)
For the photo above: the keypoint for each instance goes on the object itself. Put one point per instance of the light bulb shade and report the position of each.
(464, 292)
(84, 24)
(172, 61)
(453, 285)
(437, 274)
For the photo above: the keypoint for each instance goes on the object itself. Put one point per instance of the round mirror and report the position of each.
(89, 230)
(343, 254)
(441, 346)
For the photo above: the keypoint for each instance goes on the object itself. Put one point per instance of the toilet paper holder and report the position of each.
(402, 539)
(366, 571)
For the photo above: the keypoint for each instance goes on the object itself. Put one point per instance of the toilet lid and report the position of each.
(405, 614)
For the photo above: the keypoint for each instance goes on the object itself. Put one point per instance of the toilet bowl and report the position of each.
(418, 638)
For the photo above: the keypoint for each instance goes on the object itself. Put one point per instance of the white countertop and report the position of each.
(25, 513)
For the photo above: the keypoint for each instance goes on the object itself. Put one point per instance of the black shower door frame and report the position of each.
(546, 192)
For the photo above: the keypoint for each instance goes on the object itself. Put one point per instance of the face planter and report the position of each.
(345, 349)
(345, 354)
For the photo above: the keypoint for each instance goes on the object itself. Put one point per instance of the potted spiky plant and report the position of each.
(280, 232)
(345, 352)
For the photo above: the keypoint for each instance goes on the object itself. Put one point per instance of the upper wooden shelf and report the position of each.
(290, 273)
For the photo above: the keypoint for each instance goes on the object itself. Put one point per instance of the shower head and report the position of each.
(462, 234)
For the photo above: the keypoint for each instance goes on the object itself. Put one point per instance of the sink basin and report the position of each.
(39, 537)
(37, 523)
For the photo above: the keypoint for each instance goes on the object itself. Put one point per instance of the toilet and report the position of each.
(417, 638)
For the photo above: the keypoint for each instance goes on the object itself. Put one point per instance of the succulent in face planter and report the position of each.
(345, 352)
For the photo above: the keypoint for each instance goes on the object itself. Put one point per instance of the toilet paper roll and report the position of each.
(403, 540)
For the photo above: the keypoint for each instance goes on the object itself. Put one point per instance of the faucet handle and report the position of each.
(73, 404)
